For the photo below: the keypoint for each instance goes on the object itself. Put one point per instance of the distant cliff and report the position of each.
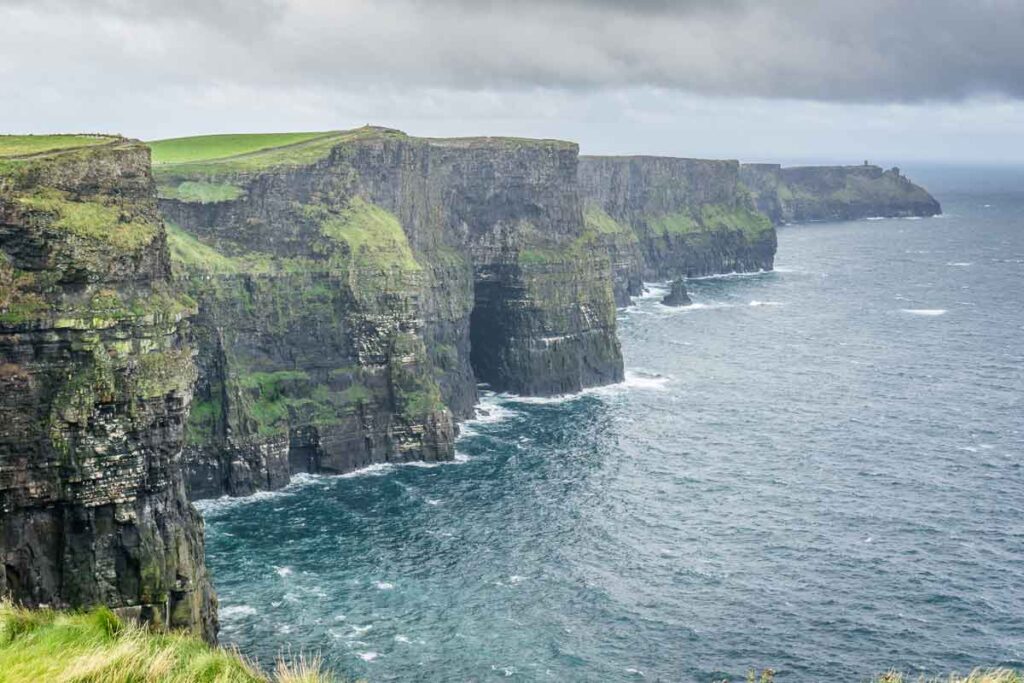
(354, 287)
(834, 193)
(670, 218)
(96, 376)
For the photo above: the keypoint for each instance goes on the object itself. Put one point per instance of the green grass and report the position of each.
(216, 156)
(712, 218)
(373, 235)
(209, 147)
(673, 224)
(201, 192)
(95, 647)
(21, 145)
(752, 223)
(976, 676)
(598, 221)
(189, 252)
(93, 220)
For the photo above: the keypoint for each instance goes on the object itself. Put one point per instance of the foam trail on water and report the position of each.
(925, 311)
(299, 481)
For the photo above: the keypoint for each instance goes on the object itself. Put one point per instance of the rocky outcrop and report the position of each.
(353, 290)
(96, 377)
(835, 193)
(687, 218)
(677, 295)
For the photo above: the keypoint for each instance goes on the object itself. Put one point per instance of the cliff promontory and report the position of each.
(96, 377)
(669, 218)
(834, 193)
(354, 287)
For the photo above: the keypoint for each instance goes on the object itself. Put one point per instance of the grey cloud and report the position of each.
(849, 50)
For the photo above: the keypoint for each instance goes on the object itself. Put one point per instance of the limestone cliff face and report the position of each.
(688, 218)
(350, 301)
(96, 377)
(825, 193)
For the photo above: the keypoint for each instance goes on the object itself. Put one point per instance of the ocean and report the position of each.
(818, 470)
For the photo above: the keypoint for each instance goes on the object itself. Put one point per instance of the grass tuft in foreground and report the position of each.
(96, 646)
(976, 676)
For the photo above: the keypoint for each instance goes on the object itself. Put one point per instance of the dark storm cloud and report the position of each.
(849, 50)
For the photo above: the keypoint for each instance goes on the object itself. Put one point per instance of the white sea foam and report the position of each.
(299, 481)
(432, 501)
(236, 611)
(960, 264)
(384, 586)
(925, 311)
(877, 218)
(653, 290)
(731, 276)
(634, 379)
(283, 571)
(368, 656)
(635, 672)
(402, 639)
(765, 303)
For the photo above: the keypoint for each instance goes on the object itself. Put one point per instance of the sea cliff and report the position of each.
(96, 377)
(354, 287)
(673, 218)
(835, 193)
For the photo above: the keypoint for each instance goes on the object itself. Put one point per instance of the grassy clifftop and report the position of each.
(24, 145)
(97, 646)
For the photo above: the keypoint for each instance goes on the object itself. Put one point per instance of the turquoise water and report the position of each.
(817, 469)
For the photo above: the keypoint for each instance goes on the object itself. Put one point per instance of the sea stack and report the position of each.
(677, 295)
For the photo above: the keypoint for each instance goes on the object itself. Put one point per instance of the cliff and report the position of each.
(834, 193)
(672, 218)
(354, 286)
(96, 378)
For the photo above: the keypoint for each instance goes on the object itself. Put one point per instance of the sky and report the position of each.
(891, 81)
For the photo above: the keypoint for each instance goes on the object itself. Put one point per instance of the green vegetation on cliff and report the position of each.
(751, 222)
(103, 220)
(23, 145)
(598, 221)
(201, 192)
(94, 646)
(374, 236)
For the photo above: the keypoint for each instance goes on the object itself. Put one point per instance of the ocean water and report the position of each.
(818, 470)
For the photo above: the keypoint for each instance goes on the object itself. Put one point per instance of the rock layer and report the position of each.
(834, 193)
(350, 302)
(96, 376)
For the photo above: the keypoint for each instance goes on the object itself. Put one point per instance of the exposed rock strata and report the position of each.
(687, 217)
(96, 377)
(349, 305)
(835, 193)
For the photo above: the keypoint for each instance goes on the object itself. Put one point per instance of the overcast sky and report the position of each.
(894, 81)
